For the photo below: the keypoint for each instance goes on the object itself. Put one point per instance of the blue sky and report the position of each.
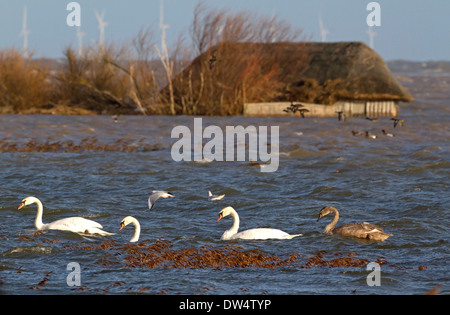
(416, 30)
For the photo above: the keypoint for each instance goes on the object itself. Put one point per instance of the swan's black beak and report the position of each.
(220, 217)
(121, 225)
(319, 218)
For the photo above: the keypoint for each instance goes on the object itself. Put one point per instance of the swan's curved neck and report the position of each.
(330, 227)
(137, 231)
(234, 229)
(38, 222)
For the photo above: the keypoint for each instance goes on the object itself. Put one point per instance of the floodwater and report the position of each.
(399, 183)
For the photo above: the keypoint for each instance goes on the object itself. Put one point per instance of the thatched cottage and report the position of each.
(264, 79)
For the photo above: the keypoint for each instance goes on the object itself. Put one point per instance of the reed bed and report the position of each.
(90, 144)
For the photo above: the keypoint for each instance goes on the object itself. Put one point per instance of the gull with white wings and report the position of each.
(215, 197)
(156, 194)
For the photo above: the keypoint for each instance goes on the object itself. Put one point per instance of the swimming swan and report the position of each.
(360, 230)
(137, 230)
(74, 224)
(252, 234)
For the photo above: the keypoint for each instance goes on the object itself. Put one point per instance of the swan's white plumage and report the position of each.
(137, 231)
(252, 234)
(261, 234)
(74, 224)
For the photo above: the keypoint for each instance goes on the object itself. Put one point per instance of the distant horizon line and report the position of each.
(386, 60)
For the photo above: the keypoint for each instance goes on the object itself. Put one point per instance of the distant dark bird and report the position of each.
(356, 133)
(293, 108)
(213, 60)
(398, 122)
(296, 107)
(341, 115)
(368, 135)
(303, 111)
(372, 119)
(388, 134)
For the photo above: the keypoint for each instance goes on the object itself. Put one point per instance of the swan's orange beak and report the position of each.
(121, 226)
(21, 205)
(220, 217)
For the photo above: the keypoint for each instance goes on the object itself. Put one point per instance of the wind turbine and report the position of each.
(25, 32)
(323, 31)
(372, 34)
(80, 35)
(101, 27)
(273, 29)
(162, 26)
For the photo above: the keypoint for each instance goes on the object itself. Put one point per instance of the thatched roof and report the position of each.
(323, 73)
(363, 73)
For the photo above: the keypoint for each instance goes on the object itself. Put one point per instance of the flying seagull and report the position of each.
(155, 195)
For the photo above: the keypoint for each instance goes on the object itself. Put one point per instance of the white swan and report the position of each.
(74, 224)
(156, 194)
(252, 234)
(137, 231)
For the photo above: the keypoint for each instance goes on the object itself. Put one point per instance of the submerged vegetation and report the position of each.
(87, 144)
(162, 253)
(131, 78)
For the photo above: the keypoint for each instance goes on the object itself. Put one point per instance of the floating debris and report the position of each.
(349, 260)
(43, 282)
(162, 254)
(85, 145)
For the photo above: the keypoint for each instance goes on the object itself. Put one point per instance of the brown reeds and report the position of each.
(90, 144)
(130, 78)
(102, 80)
(226, 74)
(23, 82)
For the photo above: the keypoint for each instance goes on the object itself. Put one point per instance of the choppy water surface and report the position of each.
(399, 183)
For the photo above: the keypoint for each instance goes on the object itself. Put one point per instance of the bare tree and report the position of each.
(238, 62)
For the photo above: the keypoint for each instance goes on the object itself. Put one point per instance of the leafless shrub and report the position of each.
(239, 62)
(23, 83)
